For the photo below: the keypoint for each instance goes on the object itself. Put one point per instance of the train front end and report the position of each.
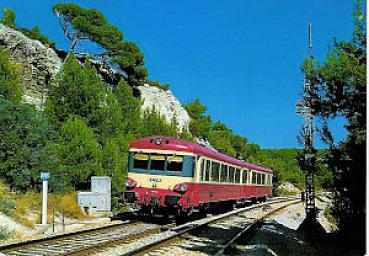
(160, 176)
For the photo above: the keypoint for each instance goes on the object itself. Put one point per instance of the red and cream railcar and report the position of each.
(167, 173)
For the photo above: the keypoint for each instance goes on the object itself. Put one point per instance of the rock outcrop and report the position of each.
(165, 103)
(205, 143)
(39, 64)
(290, 188)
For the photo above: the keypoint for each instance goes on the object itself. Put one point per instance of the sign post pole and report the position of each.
(44, 177)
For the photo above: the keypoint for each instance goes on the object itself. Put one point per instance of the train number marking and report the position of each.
(155, 179)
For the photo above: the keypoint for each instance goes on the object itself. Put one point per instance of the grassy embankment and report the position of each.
(25, 208)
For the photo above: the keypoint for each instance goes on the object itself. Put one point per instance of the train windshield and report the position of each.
(157, 162)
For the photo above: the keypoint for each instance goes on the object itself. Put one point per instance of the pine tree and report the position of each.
(80, 24)
(153, 123)
(79, 152)
(77, 91)
(200, 124)
(130, 108)
(24, 133)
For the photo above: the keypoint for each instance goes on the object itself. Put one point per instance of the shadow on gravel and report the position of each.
(207, 239)
(275, 239)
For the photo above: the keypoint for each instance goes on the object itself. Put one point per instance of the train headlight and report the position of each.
(130, 183)
(180, 188)
(158, 141)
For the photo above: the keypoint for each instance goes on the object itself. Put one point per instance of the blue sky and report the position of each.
(241, 58)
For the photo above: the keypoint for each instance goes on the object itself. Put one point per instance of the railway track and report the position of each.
(210, 236)
(83, 242)
(134, 236)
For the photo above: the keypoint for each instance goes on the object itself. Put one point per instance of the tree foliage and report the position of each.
(24, 133)
(8, 19)
(218, 134)
(79, 153)
(80, 24)
(153, 123)
(200, 124)
(10, 82)
(340, 90)
(157, 83)
(130, 107)
(78, 91)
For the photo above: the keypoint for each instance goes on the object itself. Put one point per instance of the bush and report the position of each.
(35, 34)
(5, 233)
(164, 87)
(68, 204)
(7, 202)
(7, 205)
(328, 213)
(21, 155)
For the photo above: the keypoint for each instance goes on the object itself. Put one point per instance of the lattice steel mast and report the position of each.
(304, 107)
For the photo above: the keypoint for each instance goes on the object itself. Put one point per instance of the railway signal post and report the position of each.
(304, 107)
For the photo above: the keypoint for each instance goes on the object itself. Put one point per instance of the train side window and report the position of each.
(253, 174)
(141, 161)
(231, 174)
(244, 176)
(157, 162)
(207, 170)
(215, 171)
(259, 178)
(202, 169)
(237, 175)
(223, 173)
(174, 163)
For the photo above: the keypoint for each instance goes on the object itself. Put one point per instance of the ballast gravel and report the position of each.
(279, 235)
(204, 242)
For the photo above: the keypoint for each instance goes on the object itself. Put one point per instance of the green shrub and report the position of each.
(7, 205)
(5, 233)
(328, 213)
(164, 87)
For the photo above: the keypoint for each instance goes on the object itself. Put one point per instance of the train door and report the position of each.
(198, 177)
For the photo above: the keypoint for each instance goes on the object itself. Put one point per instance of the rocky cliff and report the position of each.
(164, 102)
(39, 64)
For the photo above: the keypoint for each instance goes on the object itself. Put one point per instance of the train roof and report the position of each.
(175, 144)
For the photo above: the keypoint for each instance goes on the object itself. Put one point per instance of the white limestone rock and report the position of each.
(205, 143)
(289, 188)
(39, 64)
(164, 102)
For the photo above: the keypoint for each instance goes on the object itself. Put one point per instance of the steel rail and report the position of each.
(53, 239)
(192, 226)
(254, 225)
(61, 235)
